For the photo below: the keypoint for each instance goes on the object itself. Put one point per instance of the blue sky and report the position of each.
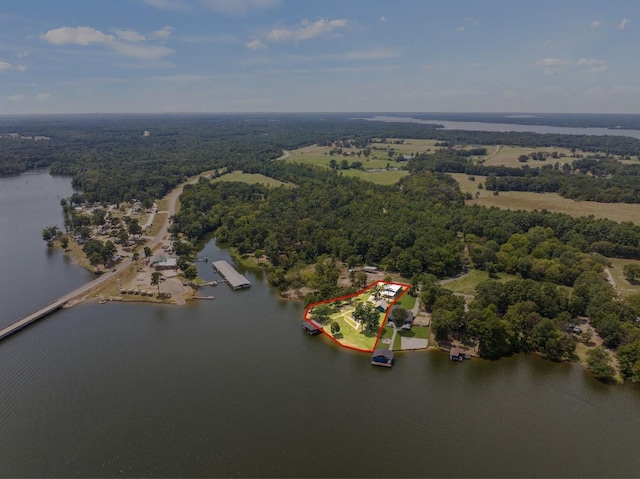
(148, 56)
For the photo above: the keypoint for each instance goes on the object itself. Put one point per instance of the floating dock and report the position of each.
(230, 275)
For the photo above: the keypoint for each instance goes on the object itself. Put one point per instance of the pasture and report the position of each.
(528, 201)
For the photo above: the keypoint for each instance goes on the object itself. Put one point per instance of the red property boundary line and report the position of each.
(382, 324)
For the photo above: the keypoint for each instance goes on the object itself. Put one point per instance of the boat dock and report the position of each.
(230, 275)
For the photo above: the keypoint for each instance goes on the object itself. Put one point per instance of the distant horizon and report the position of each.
(519, 114)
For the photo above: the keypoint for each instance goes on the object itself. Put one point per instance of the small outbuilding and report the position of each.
(311, 328)
(382, 357)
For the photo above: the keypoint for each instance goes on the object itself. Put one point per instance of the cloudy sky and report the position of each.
(137, 56)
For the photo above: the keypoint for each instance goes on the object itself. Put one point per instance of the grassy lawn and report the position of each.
(616, 269)
(251, 178)
(467, 284)
(407, 301)
(408, 147)
(158, 221)
(418, 332)
(508, 156)
(377, 177)
(319, 156)
(163, 205)
(387, 333)
(524, 200)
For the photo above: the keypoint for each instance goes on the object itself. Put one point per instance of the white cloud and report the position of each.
(130, 36)
(238, 7)
(255, 44)
(383, 18)
(175, 5)
(460, 29)
(5, 66)
(551, 65)
(43, 96)
(624, 23)
(306, 30)
(16, 98)
(163, 33)
(86, 36)
(596, 23)
(593, 65)
(425, 68)
(23, 54)
(76, 36)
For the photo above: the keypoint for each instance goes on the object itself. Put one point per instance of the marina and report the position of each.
(230, 275)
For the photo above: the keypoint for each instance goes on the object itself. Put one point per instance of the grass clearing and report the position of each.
(158, 221)
(417, 332)
(508, 156)
(251, 179)
(378, 160)
(616, 269)
(378, 177)
(163, 205)
(407, 301)
(467, 284)
(524, 200)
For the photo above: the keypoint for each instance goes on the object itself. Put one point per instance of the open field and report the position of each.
(378, 160)
(616, 269)
(524, 200)
(467, 283)
(408, 146)
(251, 179)
(508, 156)
(377, 177)
(162, 204)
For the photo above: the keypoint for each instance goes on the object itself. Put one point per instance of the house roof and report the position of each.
(384, 352)
(310, 327)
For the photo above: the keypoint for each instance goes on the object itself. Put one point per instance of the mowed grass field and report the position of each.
(524, 200)
(251, 178)
(616, 269)
(508, 156)
(378, 160)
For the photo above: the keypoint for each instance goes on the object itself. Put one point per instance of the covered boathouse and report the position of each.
(382, 357)
(311, 328)
(230, 275)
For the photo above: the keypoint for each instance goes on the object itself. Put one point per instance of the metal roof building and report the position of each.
(231, 276)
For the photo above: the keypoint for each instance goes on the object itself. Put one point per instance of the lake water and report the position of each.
(232, 387)
(482, 126)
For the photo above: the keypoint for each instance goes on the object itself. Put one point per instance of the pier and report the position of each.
(33, 317)
(230, 275)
